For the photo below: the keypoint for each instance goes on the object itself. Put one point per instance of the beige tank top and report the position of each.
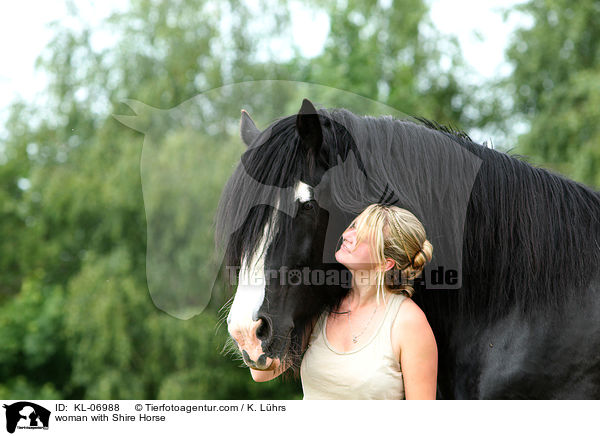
(369, 372)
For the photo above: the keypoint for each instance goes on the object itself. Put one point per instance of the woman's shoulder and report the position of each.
(410, 314)
(411, 325)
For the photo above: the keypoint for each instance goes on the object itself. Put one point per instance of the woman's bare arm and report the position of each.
(418, 353)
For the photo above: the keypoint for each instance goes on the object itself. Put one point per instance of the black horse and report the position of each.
(513, 290)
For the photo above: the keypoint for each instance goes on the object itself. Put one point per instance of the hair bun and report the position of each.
(427, 251)
(415, 257)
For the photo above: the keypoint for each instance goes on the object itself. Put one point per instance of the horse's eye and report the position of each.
(307, 206)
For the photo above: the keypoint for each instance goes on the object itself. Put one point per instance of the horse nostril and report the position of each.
(263, 330)
(246, 358)
(262, 360)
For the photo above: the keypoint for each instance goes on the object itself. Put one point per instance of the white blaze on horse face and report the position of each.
(303, 192)
(250, 292)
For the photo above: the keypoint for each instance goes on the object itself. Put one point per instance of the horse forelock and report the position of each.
(260, 187)
(269, 172)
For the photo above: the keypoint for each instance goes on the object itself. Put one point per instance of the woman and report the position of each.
(378, 345)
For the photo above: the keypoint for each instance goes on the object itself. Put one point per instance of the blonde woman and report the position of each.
(378, 345)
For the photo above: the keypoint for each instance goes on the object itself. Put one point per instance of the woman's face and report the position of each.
(353, 255)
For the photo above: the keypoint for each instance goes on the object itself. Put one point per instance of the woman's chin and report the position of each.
(339, 256)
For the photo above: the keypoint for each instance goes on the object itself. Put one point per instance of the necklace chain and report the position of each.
(355, 337)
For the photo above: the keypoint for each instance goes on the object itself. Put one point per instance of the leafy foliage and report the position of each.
(555, 84)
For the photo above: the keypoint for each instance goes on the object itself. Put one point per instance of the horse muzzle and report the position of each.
(262, 363)
(250, 346)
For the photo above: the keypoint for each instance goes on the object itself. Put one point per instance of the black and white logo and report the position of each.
(26, 415)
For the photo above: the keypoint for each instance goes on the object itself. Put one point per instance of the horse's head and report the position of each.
(282, 231)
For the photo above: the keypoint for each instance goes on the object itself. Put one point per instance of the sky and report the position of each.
(24, 32)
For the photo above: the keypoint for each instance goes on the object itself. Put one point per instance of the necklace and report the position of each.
(355, 337)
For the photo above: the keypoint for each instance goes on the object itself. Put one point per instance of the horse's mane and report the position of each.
(529, 234)
(532, 232)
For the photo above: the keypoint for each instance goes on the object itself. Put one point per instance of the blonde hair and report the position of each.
(397, 234)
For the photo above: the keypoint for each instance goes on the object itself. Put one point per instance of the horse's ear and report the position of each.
(308, 126)
(248, 129)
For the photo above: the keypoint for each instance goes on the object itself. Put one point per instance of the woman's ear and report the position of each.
(389, 264)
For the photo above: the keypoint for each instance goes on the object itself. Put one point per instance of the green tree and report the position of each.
(74, 217)
(555, 84)
(392, 53)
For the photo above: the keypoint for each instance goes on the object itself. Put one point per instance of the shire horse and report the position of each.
(518, 318)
